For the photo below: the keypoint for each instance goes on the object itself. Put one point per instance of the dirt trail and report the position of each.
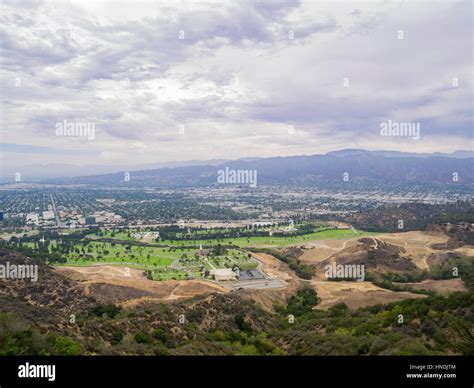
(323, 249)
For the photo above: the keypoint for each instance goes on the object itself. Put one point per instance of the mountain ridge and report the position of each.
(352, 165)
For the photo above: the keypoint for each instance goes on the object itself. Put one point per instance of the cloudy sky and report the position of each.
(187, 80)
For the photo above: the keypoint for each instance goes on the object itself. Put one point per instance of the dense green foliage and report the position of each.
(416, 216)
(19, 338)
(432, 325)
(106, 310)
(227, 325)
(463, 266)
(299, 304)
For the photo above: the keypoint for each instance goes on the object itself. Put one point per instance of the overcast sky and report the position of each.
(246, 78)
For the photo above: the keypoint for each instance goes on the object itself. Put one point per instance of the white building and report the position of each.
(223, 274)
(32, 218)
(48, 215)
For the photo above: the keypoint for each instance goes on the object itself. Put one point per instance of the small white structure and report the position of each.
(223, 274)
(32, 218)
(48, 215)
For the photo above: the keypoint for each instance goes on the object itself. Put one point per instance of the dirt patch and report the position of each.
(415, 245)
(356, 294)
(318, 251)
(442, 287)
(439, 258)
(374, 254)
(467, 250)
(111, 293)
(460, 234)
(123, 285)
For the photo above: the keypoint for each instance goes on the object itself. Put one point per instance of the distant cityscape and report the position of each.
(72, 208)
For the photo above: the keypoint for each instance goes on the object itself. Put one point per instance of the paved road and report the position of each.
(259, 284)
(212, 265)
(56, 215)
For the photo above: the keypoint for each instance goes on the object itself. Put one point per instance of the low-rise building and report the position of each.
(48, 215)
(223, 274)
(32, 218)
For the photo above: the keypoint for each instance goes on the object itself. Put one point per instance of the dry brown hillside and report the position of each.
(374, 254)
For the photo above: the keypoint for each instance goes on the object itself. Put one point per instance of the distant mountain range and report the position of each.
(39, 172)
(462, 154)
(353, 164)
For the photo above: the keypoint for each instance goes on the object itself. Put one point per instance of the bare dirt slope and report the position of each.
(442, 287)
(318, 251)
(123, 285)
(356, 294)
(417, 246)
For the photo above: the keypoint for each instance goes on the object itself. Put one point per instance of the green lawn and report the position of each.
(244, 241)
(112, 234)
(331, 234)
(168, 274)
(103, 252)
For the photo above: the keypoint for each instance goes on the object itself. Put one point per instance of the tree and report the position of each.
(65, 346)
(242, 324)
(302, 302)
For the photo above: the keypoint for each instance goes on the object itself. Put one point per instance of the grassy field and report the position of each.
(242, 242)
(170, 274)
(112, 234)
(7, 235)
(152, 257)
(101, 252)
